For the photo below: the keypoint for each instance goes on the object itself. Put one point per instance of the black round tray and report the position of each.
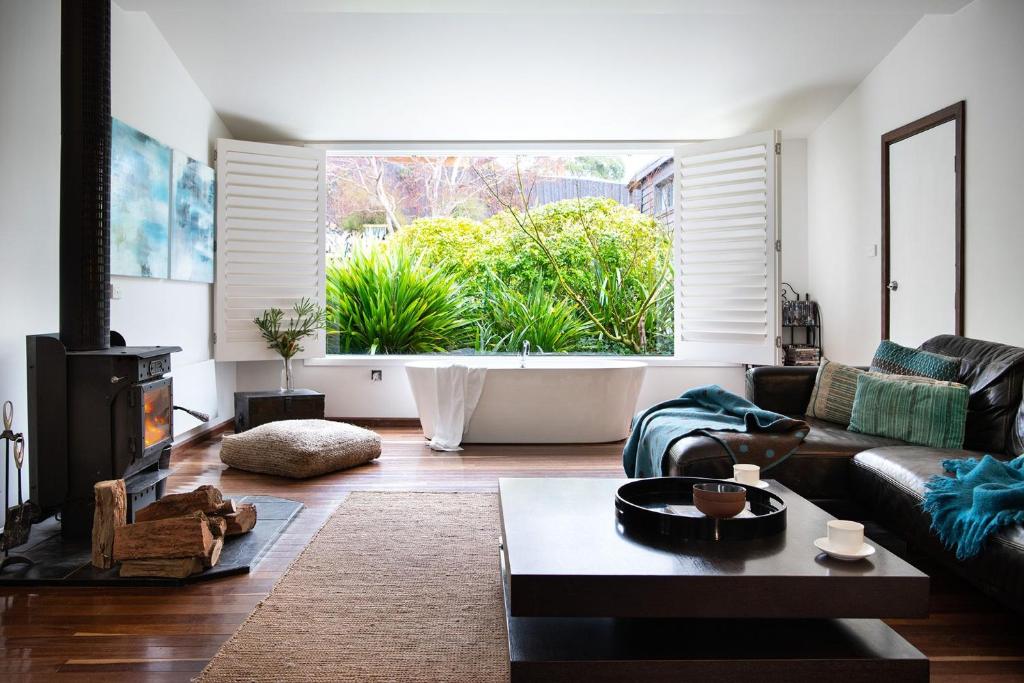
(663, 507)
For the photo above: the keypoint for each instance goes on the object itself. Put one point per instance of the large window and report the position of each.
(464, 253)
(656, 252)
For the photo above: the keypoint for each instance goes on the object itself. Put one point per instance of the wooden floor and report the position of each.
(149, 634)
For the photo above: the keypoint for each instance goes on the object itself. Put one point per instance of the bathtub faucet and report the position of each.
(524, 354)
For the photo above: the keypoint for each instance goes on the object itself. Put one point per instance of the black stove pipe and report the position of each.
(85, 175)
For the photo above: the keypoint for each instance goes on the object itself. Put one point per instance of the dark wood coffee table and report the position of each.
(587, 601)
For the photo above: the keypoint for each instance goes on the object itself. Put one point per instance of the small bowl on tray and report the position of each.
(719, 500)
(665, 509)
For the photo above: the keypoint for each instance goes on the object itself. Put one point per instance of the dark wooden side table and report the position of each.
(254, 408)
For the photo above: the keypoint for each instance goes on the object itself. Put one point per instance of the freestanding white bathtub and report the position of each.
(551, 400)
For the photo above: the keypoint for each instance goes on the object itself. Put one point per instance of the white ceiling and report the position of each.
(322, 70)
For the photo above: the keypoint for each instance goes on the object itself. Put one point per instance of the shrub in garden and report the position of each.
(611, 262)
(508, 317)
(467, 247)
(384, 299)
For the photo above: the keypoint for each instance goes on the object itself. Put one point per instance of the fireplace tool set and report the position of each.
(17, 519)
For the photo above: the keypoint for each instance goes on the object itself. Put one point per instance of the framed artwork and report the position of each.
(193, 194)
(140, 183)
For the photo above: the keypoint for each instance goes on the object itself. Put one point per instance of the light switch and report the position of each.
(872, 250)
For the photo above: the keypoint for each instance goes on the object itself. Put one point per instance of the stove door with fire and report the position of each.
(149, 423)
(156, 414)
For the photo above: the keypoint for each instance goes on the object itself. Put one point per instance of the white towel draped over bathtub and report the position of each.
(458, 391)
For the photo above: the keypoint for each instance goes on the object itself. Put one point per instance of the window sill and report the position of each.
(366, 361)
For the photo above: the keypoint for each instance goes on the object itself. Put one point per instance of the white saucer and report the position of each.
(761, 484)
(823, 545)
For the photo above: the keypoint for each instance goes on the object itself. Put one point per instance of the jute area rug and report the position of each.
(395, 587)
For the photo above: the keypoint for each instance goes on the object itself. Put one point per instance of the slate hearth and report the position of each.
(62, 562)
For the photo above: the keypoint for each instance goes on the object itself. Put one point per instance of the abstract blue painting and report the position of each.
(140, 184)
(192, 215)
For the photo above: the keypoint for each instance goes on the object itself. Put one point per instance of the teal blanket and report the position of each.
(980, 498)
(748, 433)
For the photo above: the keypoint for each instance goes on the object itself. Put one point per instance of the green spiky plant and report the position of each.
(384, 300)
(548, 322)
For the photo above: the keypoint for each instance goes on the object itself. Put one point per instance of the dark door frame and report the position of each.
(954, 112)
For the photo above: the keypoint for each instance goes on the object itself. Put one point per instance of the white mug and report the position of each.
(746, 474)
(844, 535)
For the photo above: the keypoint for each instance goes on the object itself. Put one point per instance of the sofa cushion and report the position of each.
(300, 448)
(994, 374)
(834, 390)
(782, 389)
(890, 482)
(828, 439)
(927, 413)
(908, 468)
(893, 359)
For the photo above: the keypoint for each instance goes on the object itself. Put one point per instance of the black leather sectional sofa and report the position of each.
(862, 476)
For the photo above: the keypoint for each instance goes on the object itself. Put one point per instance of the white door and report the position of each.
(922, 236)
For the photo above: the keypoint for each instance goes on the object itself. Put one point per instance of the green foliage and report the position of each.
(307, 317)
(576, 256)
(511, 317)
(463, 245)
(355, 221)
(603, 168)
(607, 258)
(385, 300)
(472, 208)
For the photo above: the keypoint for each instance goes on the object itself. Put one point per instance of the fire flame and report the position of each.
(157, 422)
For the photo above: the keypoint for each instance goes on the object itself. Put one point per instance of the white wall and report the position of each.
(977, 55)
(152, 91)
(349, 392)
(29, 187)
(794, 214)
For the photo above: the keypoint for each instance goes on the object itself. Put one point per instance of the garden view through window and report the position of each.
(476, 254)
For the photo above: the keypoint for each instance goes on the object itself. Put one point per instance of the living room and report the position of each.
(418, 341)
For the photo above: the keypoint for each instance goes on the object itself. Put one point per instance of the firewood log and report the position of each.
(164, 538)
(242, 521)
(170, 568)
(218, 526)
(111, 512)
(206, 499)
(226, 508)
(213, 557)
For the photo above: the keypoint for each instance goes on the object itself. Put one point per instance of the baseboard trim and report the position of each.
(400, 422)
(204, 435)
(229, 424)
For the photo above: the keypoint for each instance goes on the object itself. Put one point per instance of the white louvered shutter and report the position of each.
(727, 263)
(270, 241)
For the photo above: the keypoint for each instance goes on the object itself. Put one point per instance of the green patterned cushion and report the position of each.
(928, 413)
(834, 389)
(893, 359)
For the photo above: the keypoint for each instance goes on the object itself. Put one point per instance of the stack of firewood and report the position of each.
(177, 536)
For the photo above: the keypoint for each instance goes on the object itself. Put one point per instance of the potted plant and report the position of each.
(307, 317)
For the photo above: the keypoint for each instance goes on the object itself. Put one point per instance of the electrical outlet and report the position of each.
(376, 375)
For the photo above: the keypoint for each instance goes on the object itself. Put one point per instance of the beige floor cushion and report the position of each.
(300, 448)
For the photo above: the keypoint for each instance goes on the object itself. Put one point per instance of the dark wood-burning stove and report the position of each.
(98, 409)
(96, 415)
